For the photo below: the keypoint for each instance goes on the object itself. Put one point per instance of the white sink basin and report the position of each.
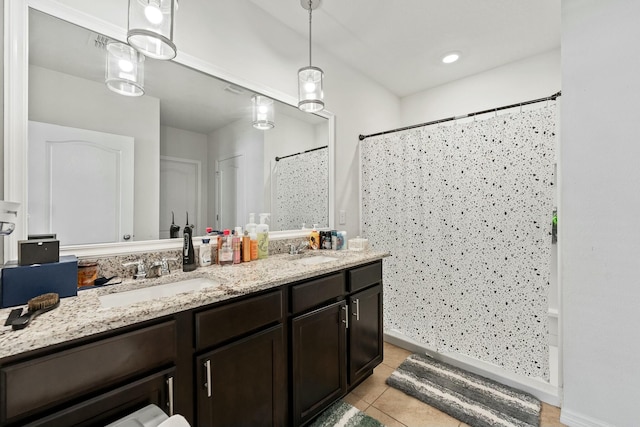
(119, 299)
(314, 260)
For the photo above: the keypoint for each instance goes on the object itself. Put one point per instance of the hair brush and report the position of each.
(35, 307)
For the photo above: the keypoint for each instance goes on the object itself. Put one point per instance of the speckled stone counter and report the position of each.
(81, 316)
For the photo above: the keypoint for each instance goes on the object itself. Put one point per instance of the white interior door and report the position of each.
(80, 184)
(179, 190)
(231, 193)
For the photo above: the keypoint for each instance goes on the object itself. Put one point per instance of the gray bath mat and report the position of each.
(475, 400)
(341, 414)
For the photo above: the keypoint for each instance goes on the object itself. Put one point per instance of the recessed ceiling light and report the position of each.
(451, 57)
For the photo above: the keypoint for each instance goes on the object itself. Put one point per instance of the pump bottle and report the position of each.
(262, 231)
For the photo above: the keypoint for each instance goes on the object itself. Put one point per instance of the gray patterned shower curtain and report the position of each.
(302, 190)
(465, 211)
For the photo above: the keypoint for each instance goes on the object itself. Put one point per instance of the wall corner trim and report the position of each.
(576, 419)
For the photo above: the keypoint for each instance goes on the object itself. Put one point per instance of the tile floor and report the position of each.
(393, 408)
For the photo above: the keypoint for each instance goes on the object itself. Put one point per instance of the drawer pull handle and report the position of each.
(346, 316)
(357, 313)
(207, 366)
(170, 387)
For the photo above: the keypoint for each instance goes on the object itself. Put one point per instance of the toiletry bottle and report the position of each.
(188, 253)
(251, 225)
(314, 238)
(262, 230)
(237, 241)
(334, 240)
(253, 239)
(217, 245)
(342, 240)
(246, 247)
(205, 253)
(226, 249)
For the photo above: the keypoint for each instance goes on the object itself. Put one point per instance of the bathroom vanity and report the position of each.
(273, 342)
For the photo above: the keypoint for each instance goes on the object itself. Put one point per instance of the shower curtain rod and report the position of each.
(448, 119)
(302, 152)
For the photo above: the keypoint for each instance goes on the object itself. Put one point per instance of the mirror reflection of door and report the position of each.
(180, 187)
(231, 193)
(80, 184)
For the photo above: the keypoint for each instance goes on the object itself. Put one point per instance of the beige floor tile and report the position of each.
(550, 416)
(412, 412)
(383, 418)
(394, 356)
(375, 385)
(356, 401)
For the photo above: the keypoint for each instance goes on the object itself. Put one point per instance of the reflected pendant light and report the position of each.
(262, 112)
(151, 27)
(310, 92)
(125, 69)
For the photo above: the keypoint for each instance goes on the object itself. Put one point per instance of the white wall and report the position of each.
(62, 99)
(600, 211)
(531, 78)
(232, 140)
(241, 39)
(186, 144)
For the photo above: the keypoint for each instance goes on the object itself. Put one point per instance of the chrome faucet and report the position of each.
(141, 270)
(293, 249)
(162, 266)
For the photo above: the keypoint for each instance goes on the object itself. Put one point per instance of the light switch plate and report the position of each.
(343, 217)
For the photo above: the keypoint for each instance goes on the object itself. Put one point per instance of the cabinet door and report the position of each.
(107, 407)
(244, 383)
(318, 345)
(365, 332)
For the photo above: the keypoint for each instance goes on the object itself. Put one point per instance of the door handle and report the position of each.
(170, 389)
(126, 236)
(346, 316)
(207, 384)
(357, 313)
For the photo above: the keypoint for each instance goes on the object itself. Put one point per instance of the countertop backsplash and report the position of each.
(112, 265)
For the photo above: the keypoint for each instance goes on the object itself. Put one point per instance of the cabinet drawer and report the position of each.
(220, 324)
(43, 382)
(114, 404)
(361, 277)
(315, 292)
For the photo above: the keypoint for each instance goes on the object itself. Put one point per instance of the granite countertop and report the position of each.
(81, 316)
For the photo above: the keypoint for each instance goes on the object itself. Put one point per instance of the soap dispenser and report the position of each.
(314, 238)
(262, 230)
(188, 253)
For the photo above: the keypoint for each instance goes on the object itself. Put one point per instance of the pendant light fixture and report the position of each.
(125, 69)
(263, 113)
(310, 92)
(151, 27)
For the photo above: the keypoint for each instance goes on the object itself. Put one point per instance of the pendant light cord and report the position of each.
(310, 3)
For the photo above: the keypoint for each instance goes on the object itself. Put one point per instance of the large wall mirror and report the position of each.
(106, 170)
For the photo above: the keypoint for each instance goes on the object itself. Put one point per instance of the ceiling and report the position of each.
(400, 43)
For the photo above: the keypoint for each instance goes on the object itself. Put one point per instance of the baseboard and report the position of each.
(544, 391)
(575, 419)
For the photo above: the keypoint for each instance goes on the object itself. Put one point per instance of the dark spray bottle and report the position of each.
(188, 253)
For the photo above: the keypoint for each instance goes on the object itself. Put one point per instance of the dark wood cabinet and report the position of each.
(319, 359)
(65, 377)
(365, 333)
(244, 383)
(273, 358)
(107, 407)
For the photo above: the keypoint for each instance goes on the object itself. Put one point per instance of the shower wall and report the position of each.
(465, 211)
